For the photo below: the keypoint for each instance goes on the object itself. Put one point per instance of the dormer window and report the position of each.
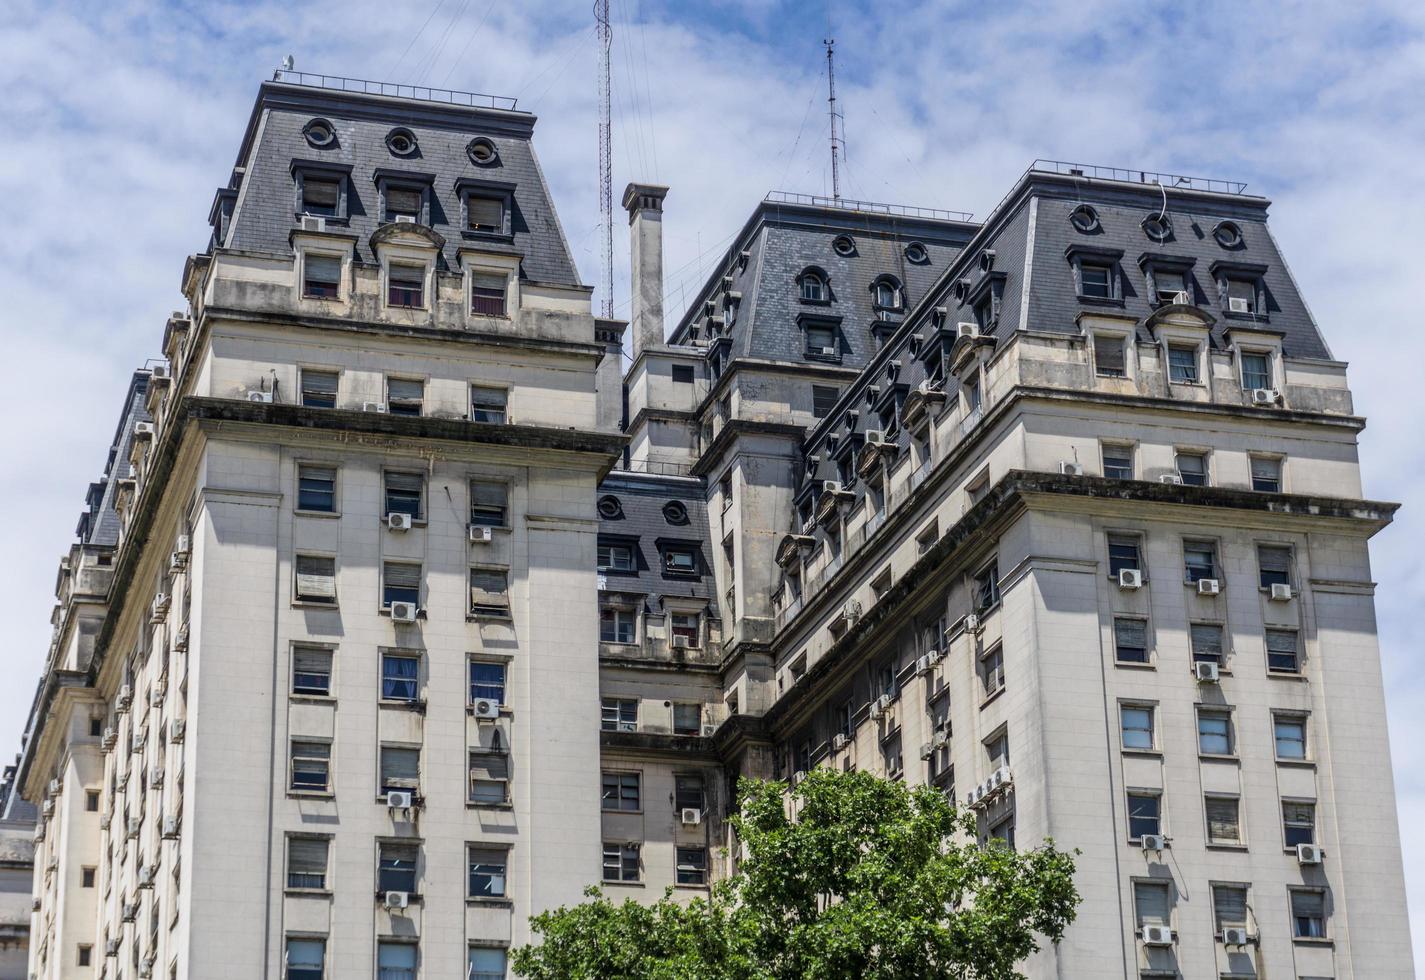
(680, 559)
(406, 286)
(887, 294)
(485, 214)
(322, 189)
(321, 276)
(321, 195)
(1241, 288)
(487, 207)
(1098, 277)
(814, 288)
(1182, 364)
(403, 202)
(1097, 280)
(1241, 296)
(1168, 283)
(487, 294)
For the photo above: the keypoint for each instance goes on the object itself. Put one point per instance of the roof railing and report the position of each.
(1096, 172)
(846, 204)
(420, 93)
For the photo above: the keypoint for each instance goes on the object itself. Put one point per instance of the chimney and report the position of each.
(644, 203)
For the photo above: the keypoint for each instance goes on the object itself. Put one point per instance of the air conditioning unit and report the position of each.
(875, 437)
(405, 219)
(829, 351)
(936, 656)
(313, 222)
(972, 623)
(146, 876)
(1000, 778)
(136, 741)
(53, 788)
(159, 609)
(680, 643)
(1157, 936)
(709, 731)
(1170, 478)
(133, 827)
(485, 708)
(926, 750)
(399, 799)
(1281, 592)
(1309, 853)
(851, 611)
(111, 948)
(258, 395)
(159, 372)
(1067, 468)
(155, 697)
(1181, 298)
(965, 329)
(880, 706)
(940, 740)
(1237, 304)
(396, 900)
(111, 738)
(47, 808)
(1208, 586)
(170, 828)
(690, 816)
(808, 526)
(398, 522)
(479, 534)
(178, 730)
(830, 486)
(922, 665)
(1153, 842)
(1206, 672)
(143, 430)
(155, 778)
(377, 407)
(839, 742)
(180, 639)
(1264, 396)
(1130, 578)
(1235, 937)
(974, 796)
(404, 612)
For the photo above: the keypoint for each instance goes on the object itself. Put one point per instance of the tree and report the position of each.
(857, 877)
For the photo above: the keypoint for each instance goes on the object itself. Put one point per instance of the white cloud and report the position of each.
(121, 119)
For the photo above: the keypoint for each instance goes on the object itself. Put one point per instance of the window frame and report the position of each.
(690, 866)
(324, 885)
(987, 587)
(414, 297)
(294, 757)
(310, 397)
(623, 788)
(1180, 373)
(1184, 453)
(1118, 563)
(1129, 451)
(1110, 340)
(822, 295)
(485, 293)
(1196, 572)
(1118, 646)
(322, 170)
(490, 610)
(1229, 734)
(391, 683)
(619, 617)
(483, 774)
(1276, 462)
(1240, 841)
(502, 192)
(621, 854)
(612, 712)
(486, 510)
(1302, 719)
(313, 598)
(404, 401)
(991, 677)
(334, 492)
(383, 870)
(392, 593)
(503, 686)
(1287, 824)
(1268, 373)
(394, 493)
(1324, 935)
(387, 783)
(310, 691)
(305, 279)
(486, 851)
(1135, 836)
(1296, 652)
(478, 407)
(303, 971)
(1265, 576)
(1149, 710)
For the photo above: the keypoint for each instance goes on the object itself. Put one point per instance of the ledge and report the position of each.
(657, 743)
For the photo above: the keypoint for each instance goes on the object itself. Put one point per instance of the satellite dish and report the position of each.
(287, 63)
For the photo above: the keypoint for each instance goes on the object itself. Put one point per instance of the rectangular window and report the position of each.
(822, 341)
(1308, 913)
(321, 196)
(687, 718)
(997, 750)
(400, 582)
(1152, 903)
(621, 791)
(311, 671)
(489, 593)
(1298, 822)
(405, 396)
(688, 792)
(489, 503)
(617, 625)
(487, 963)
(485, 214)
(621, 862)
(1003, 831)
(400, 677)
(487, 681)
(311, 766)
(1137, 724)
(1274, 565)
(1214, 733)
(1169, 283)
(680, 560)
(1229, 907)
(316, 489)
(1144, 815)
(1123, 553)
(692, 865)
(1241, 296)
(307, 862)
(1206, 641)
(973, 395)
(488, 404)
(396, 866)
(404, 202)
(616, 557)
(1266, 474)
(406, 286)
(316, 579)
(1108, 356)
(1118, 462)
(321, 276)
(992, 671)
(306, 959)
(1223, 822)
(87, 876)
(1130, 640)
(487, 878)
(987, 588)
(84, 955)
(489, 778)
(1256, 371)
(686, 625)
(823, 400)
(683, 374)
(1283, 656)
(405, 493)
(1192, 469)
(395, 960)
(1097, 280)
(1182, 364)
(1199, 561)
(319, 389)
(1290, 734)
(400, 769)
(619, 715)
(487, 294)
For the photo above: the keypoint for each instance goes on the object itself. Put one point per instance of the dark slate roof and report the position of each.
(265, 213)
(101, 521)
(642, 498)
(782, 239)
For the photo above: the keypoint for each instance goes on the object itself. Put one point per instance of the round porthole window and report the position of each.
(482, 152)
(1158, 227)
(1228, 235)
(1084, 219)
(674, 512)
(610, 507)
(916, 254)
(319, 133)
(401, 142)
(843, 245)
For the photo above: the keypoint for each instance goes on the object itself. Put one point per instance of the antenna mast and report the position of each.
(836, 142)
(606, 166)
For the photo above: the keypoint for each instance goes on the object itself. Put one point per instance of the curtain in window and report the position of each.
(1222, 820)
(316, 577)
(1206, 642)
(1229, 905)
(1151, 902)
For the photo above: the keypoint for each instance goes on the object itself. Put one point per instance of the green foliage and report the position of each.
(858, 877)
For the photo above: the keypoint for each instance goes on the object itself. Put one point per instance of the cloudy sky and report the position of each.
(120, 119)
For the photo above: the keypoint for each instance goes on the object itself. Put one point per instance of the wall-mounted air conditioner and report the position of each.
(404, 612)
(1208, 586)
(1281, 592)
(1206, 672)
(485, 708)
(1130, 578)
(398, 522)
(690, 816)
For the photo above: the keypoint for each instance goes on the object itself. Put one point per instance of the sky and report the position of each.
(122, 117)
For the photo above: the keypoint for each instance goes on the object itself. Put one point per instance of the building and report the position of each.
(404, 612)
(17, 870)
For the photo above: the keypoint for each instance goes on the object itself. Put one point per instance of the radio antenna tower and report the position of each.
(837, 144)
(606, 153)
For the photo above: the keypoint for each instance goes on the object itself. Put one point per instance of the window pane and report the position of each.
(487, 295)
(692, 865)
(488, 405)
(1274, 564)
(1214, 733)
(1152, 903)
(321, 196)
(485, 214)
(404, 493)
(1199, 560)
(1256, 371)
(1108, 356)
(1266, 474)
(1137, 727)
(1206, 642)
(1142, 815)
(487, 681)
(1282, 656)
(319, 389)
(406, 285)
(307, 862)
(403, 200)
(316, 578)
(316, 488)
(1192, 469)
(400, 768)
(487, 874)
(1290, 737)
(1096, 280)
(1298, 823)
(1222, 823)
(1182, 364)
(1244, 291)
(1122, 553)
(306, 959)
(1131, 640)
(687, 719)
(488, 501)
(1308, 914)
(487, 964)
(400, 583)
(396, 870)
(1229, 906)
(311, 671)
(399, 677)
(321, 275)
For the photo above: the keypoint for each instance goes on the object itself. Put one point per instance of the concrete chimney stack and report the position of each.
(644, 203)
